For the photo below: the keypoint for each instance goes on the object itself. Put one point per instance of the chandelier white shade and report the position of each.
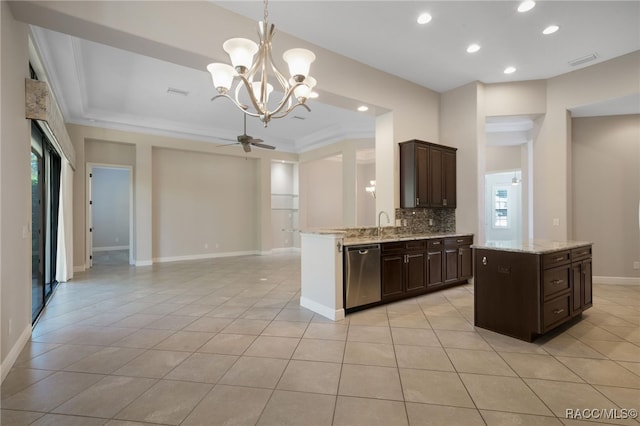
(251, 77)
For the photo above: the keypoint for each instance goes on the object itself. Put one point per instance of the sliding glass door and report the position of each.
(45, 198)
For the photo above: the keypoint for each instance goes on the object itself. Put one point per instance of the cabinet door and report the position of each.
(416, 271)
(422, 175)
(449, 176)
(391, 270)
(434, 268)
(587, 299)
(576, 288)
(451, 265)
(436, 182)
(465, 262)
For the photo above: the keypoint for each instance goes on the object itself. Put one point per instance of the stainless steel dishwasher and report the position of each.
(362, 275)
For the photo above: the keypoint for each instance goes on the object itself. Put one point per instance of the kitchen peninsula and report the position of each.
(526, 288)
(408, 264)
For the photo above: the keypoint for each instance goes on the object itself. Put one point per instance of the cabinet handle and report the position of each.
(557, 282)
(436, 243)
(558, 311)
(460, 241)
(460, 253)
(558, 259)
(582, 253)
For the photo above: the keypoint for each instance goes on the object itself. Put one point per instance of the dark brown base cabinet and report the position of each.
(524, 295)
(409, 268)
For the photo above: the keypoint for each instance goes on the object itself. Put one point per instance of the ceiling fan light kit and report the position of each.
(252, 76)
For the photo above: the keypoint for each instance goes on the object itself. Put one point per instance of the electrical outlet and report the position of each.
(430, 222)
(206, 245)
(556, 221)
(636, 265)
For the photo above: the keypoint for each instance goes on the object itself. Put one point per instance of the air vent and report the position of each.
(174, 91)
(583, 60)
(297, 117)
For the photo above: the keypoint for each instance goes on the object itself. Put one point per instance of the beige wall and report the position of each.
(15, 191)
(203, 199)
(501, 158)
(321, 189)
(606, 191)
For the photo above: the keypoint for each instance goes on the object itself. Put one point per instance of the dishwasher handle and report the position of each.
(363, 249)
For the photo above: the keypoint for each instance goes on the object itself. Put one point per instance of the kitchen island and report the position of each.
(409, 264)
(526, 288)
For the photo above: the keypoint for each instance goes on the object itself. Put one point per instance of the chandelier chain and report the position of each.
(266, 11)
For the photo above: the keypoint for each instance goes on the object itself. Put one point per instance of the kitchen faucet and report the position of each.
(379, 216)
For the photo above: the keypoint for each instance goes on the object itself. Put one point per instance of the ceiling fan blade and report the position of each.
(263, 145)
(246, 147)
(226, 144)
(255, 140)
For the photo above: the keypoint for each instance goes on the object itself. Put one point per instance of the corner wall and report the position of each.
(606, 193)
(15, 191)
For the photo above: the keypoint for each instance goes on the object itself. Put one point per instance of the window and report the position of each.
(501, 208)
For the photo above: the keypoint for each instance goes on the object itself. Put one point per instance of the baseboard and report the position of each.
(617, 280)
(204, 256)
(286, 250)
(143, 263)
(79, 268)
(111, 248)
(325, 311)
(12, 356)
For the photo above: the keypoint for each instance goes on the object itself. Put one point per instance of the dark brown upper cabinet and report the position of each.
(427, 175)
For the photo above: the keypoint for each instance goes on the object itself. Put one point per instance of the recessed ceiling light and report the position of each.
(424, 18)
(473, 48)
(313, 95)
(550, 29)
(363, 108)
(509, 70)
(526, 5)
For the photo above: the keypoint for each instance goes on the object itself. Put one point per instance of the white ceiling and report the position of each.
(108, 87)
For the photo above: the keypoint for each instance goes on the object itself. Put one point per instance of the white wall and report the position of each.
(15, 191)
(110, 207)
(606, 191)
(284, 204)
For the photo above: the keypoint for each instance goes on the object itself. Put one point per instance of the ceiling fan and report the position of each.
(246, 141)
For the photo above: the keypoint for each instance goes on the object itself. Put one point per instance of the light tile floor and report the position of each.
(225, 341)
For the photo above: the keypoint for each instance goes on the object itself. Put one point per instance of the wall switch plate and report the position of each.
(556, 221)
(636, 265)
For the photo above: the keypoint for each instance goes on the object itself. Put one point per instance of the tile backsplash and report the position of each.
(418, 220)
(414, 221)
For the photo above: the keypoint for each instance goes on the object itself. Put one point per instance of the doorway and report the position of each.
(110, 215)
(503, 204)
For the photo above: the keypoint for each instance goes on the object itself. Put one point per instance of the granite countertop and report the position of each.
(372, 239)
(532, 246)
(388, 234)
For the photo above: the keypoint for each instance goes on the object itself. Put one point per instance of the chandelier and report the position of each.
(253, 76)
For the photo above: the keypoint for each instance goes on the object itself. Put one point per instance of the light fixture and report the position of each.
(253, 76)
(424, 18)
(363, 108)
(514, 180)
(550, 29)
(473, 48)
(371, 189)
(526, 5)
(509, 70)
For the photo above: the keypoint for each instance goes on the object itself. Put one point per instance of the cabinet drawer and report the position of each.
(435, 245)
(581, 253)
(558, 258)
(458, 241)
(393, 247)
(556, 280)
(556, 310)
(416, 245)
